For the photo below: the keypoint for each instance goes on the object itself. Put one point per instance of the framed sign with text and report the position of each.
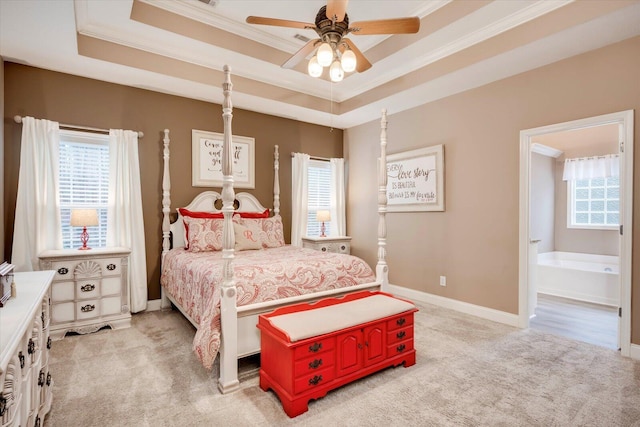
(415, 180)
(207, 160)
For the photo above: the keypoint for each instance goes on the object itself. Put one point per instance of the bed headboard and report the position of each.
(206, 202)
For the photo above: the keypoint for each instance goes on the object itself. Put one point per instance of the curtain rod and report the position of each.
(18, 119)
(326, 159)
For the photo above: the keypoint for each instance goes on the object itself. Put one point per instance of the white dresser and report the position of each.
(25, 380)
(341, 245)
(90, 289)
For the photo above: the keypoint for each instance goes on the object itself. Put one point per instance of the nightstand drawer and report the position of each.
(62, 291)
(341, 245)
(64, 312)
(87, 309)
(87, 289)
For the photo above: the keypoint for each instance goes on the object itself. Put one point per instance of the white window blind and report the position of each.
(594, 203)
(319, 195)
(84, 184)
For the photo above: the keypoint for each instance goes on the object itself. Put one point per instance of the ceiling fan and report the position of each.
(334, 50)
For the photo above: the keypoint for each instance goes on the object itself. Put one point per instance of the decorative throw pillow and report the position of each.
(271, 232)
(246, 239)
(203, 234)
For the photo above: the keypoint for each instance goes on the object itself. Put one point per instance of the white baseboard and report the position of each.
(634, 351)
(463, 307)
(153, 305)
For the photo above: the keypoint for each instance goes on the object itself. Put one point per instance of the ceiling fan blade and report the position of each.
(386, 26)
(337, 8)
(362, 63)
(300, 54)
(279, 22)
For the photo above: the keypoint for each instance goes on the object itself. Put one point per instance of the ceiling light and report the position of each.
(336, 72)
(315, 69)
(348, 61)
(325, 54)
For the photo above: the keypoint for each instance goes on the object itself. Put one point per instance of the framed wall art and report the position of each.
(207, 160)
(415, 180)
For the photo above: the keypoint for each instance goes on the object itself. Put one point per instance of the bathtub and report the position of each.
(585, 277)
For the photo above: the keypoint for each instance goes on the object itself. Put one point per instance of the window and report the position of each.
(84, 184)
(594, 203)
(319, 194)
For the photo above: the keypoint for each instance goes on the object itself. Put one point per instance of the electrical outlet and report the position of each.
(443, 280)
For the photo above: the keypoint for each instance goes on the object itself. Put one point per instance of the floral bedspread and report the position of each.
(193, 279)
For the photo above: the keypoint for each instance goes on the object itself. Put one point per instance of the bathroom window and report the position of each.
(594, 203)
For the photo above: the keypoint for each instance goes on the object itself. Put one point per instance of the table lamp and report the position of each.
(322, 216)
(84, 218)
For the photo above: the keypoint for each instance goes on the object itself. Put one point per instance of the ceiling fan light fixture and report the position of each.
(336, 72)
(325, 54)
(348, 61)
(314, 69)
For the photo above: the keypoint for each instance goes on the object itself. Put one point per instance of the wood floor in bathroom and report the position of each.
(582, 321)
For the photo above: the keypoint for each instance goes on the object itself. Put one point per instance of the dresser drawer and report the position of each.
(63, 312)
(88, 289)
(314, 379)
(62, 291)
(399, 348)
(111, 305)
(400, 335)
(314, 364)
(314, 347)
(87, 309)
(400, 322)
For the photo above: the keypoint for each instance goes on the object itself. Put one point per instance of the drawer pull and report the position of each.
(49, 343)
(42, 318)
(37, 423)
(400, 348)
(401, 321)
(315, 364)
(88, 287)
(41, 378)
(111, 267)
(87, 308)
(343, 247)
(48, 379)
(21, 358)
(323, 249)
(63, 270)
(315, 347)
(3, 404)
(315, 380)
(401, 334)
(31, 347)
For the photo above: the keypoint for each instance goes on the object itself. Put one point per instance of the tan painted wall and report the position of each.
(475, 241)
(75, 100)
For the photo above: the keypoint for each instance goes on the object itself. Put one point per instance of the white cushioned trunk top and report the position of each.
(319, 321)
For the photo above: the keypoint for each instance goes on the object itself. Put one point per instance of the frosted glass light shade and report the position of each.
(336, 72)
(325, 54)
(314, 69)
(83, 217)
(348, 61)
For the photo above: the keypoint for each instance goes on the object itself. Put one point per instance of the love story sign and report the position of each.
(415, 180)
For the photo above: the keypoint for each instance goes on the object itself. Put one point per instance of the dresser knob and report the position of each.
(87, 308)
(401, 334)
(315, 347)
(400, 348)
(49, 343)
(315, 364)
(63, 270)
(111, 267)
(48, 379)
(343, 247)
(315, 380)
(401, 321)
(31, 347)
(37, 422)
(88, 287)
(21, 358)
(41, 378)
(323, 249)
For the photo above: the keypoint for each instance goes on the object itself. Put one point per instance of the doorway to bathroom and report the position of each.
(575, 202)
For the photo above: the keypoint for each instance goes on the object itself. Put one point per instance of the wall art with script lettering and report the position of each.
(415, 180)
(207, 160)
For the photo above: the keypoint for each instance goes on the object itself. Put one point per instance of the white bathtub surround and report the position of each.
(585, 277)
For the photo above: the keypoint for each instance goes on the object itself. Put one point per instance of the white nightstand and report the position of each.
(90, 289)
(341, 245)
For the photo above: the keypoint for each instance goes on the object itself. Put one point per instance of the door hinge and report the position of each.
(622, 146)
(619, 311)
(621, 229)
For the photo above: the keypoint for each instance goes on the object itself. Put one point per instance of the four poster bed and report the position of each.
(221, 278)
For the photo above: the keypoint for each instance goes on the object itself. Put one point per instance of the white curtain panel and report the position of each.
(299, 197)
(125, 225)
(591, 167)
(338, 209)
(37, 224)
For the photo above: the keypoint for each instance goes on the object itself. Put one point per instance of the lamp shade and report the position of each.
(322, 216)
(336, 72)
(84, 217)
(348, 61)
(314, 69)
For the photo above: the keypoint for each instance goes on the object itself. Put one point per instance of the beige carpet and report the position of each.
(469, 372)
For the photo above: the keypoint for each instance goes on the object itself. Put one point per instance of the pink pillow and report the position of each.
(269, 230)
(203, 234)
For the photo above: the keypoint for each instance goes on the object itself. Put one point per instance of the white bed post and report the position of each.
(166, 209)
(382, 271)
(228, 381)
(276, 181)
